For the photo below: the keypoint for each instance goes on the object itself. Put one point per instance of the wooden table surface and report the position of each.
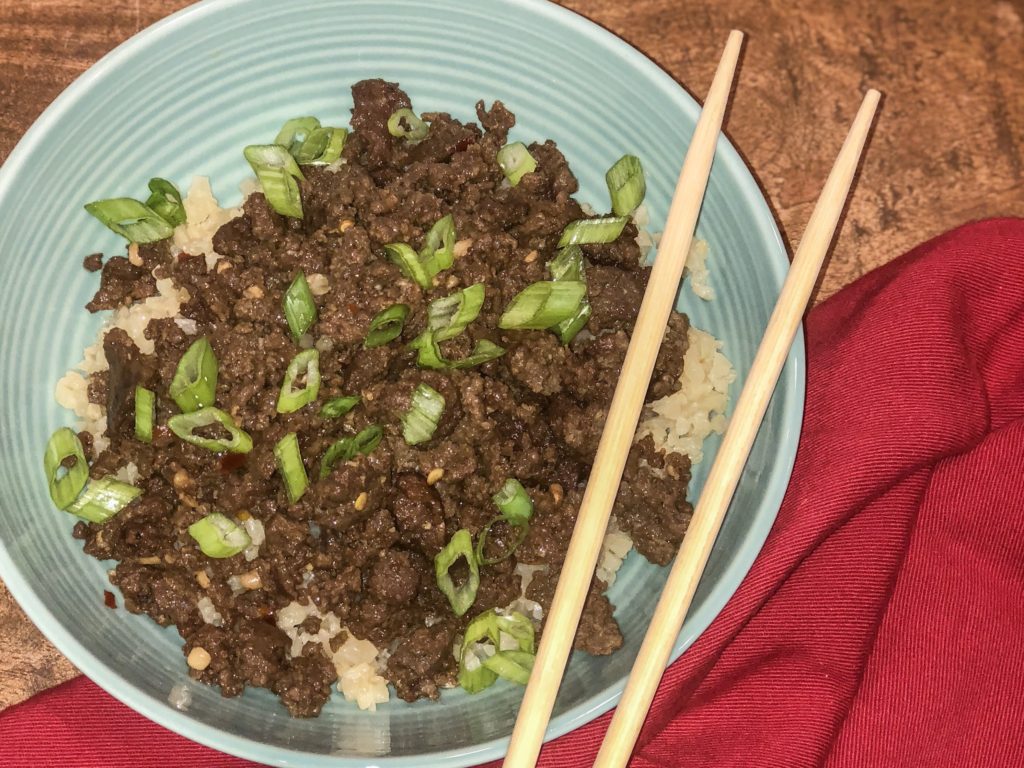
(948, 147)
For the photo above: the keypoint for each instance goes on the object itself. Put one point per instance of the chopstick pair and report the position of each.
(623, 416)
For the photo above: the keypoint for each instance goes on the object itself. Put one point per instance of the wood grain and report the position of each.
(949, 146)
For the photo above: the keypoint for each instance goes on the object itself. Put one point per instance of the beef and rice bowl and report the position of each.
(338, 436)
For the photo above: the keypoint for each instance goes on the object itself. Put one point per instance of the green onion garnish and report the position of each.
(568, 265)
(277, 172)
(409, 262)
(306, 365)
(514, 666)
(309, 142)
(481, 542)
(347, 448)
(583, 231)
(437, 254)
(420, 421)
(516, 509)
(219, 536)
(626, 185)
(567, 329)
(339, 406)
(102, 499)
(516, 161)
(65, 481)
(299, 307)
(487, 628)
(165, 201)
(295, 132)
(462, 597)
(386, 326)
(134, 221)
(289, 464)
(195, 380)
(184, 426)
(449, 316)
(514, 502)
(404, 123)
(323, 147)
(430, 353)
(145, 413)
(544, 304)
(438, 250)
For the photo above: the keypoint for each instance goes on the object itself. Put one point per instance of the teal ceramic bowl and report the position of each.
(183, 98)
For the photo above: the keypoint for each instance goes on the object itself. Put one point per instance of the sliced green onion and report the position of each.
(145, 413)
(339, 406)
(448, 317)
(462, 597)
(219, 536)
(404, 123)
(386, 326)
(438, 251)
(409, 262)
(305, 364)
(289, 464)
(430, 353)
(544, 304)
(425, 409)
(583, 231)
(348, 448)
(514, 666)
(516, 161)
(165, 201)
(487, 629)
(568, 265)
(514, 502)
(185, 424)
(626, 185)
(567, 329)
(295, 132)
(134, 221)
(299, 306)
(65, 482)
(322, 147)
(437, 254)
(477, 679)
(277, 172)
(481, 542)
(102, 499)
(195, 380)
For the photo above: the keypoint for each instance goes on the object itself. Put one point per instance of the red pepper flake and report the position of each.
(109, 600)
(464, 143)
(230, 462)
(352, 309)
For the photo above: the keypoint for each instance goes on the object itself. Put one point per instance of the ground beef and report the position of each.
(360, 543)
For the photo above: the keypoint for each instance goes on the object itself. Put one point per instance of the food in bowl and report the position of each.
(340, 434)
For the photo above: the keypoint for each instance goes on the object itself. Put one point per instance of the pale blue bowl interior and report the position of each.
(183, 98)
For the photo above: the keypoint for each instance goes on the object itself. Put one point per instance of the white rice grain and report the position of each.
(209, 612)
(682, 421)
(204, 218)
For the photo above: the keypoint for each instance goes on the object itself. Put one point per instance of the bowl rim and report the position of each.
(697, 621)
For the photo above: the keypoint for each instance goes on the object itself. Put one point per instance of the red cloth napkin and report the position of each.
(882, 624)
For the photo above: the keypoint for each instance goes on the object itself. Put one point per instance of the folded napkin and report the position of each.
(883, 622)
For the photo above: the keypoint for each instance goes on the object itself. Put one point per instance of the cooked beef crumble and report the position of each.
(534, 414)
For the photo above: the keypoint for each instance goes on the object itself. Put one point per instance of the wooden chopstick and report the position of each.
(732, 456)
(623, 415)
